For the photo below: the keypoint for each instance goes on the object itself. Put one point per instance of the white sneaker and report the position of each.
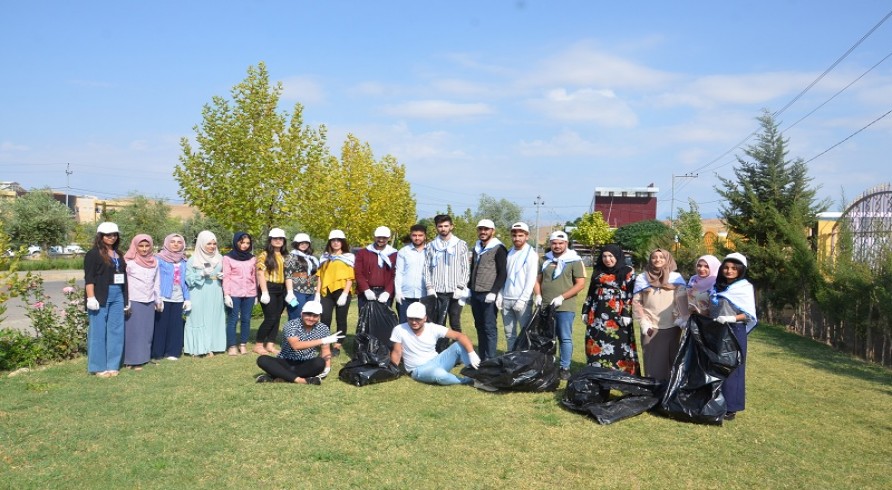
(172, 358)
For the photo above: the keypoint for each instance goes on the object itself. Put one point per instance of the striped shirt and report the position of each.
(277, 275)
(446, 269)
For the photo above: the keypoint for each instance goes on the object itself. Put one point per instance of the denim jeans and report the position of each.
(239, 313)
(485, 322)
(105, 337)
(437, 370)
(514, 321)
(294, 311)
(402, 307)
(563, 322)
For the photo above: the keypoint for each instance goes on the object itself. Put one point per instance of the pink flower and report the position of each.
(68, 290)
(38, 305)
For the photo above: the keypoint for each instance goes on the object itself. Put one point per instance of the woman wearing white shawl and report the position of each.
(206, 324)
(655, 308)
(733, 302)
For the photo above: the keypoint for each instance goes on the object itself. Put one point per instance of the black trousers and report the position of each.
(330, 308)
(290, 370)
(272, 313)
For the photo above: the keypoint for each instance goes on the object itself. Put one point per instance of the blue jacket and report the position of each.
(166, 269)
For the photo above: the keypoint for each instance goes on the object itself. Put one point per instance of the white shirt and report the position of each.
(523, 268)
(418, 349)
(409, 278)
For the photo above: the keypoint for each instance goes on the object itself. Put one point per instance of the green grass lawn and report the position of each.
(815, 419)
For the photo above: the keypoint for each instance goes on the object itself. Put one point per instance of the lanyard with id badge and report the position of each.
(119, 276)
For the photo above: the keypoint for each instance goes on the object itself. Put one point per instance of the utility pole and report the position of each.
(68, 173)
(672, 204)
(538, 203)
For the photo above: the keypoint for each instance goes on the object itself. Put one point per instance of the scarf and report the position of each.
(560, 262)
(443, 249)
(642, 282)
(312, 262)
(148, 261)
(517, 259)
(741, 295)
(235, 253)
(701, 284)
(661, 278)
(479, 249)
(348, 259)
(383, 260)
(168, 255)
(200, 257)
(619, 269)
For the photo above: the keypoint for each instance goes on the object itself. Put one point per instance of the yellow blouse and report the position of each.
(333, 275)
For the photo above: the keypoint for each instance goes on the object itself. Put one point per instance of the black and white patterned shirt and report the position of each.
(295, 328)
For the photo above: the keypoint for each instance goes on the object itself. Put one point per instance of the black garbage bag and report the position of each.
(377, 320)
(370, 363)
(609, 395)
(539, 334)
(516, 371)
(709, 352)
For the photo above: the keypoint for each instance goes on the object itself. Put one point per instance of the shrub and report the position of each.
(18, 350)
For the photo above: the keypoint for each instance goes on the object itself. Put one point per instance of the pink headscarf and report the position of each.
(169, 255)
(148, 261)
(701, 284)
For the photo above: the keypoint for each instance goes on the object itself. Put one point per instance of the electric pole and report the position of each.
(538, 203)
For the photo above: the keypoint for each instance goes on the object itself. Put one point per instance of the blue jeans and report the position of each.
(437, 370)
(485, 322)
(514, 321)
(402, 307)
(563, 322)
(105, 337)
(241, 310)
(294, 311)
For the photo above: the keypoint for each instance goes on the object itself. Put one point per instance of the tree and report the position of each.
(689, 229)
(197, 223)
(356, 194)
(642, 237)
(502, 212)
(250, 160)
(592, 230)
(144, 215)
(769, 208)
(37, 219)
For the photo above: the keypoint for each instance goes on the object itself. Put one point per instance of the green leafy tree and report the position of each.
(144, 215)
(689, 229)
(250, 159)
(592, 230)
(37, 219)
(502, 212)
(770, 205)
(642, 237)
(197, 223)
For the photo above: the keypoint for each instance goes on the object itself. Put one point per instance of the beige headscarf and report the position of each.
(660, 278)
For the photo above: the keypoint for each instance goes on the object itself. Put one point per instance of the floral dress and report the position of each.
(607, 312)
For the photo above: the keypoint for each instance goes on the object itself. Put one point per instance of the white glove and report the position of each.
(127, 308)
(474, 359)
(519, 306)
(333, 338)
(159, 306)
(342, 299)
(187, 305)
(289, 298)
(318, 297)
(370, 295)
(384, 297)
(458, 294)
(727, 319)
(538, 300)
(499, 301)
(92, 303)
(557, 301)
(625, 321)
(325, 372)
(398, 297)
(490, 298)
(264, 297)
(680, 322)
(431, 292)
(227, 300)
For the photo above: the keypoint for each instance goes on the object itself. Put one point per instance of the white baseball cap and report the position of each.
(736, 257)
(337, 234)
(382, 231)
(520, 225)
(301, 238)
(107, 228)
(314, 307)
(559, 236)
(486, 223)
(276, 233)
(416, 310)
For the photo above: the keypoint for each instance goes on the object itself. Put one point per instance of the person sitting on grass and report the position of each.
(415, 341)
(298, 361)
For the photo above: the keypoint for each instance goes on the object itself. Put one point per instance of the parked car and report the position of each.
(71, 250)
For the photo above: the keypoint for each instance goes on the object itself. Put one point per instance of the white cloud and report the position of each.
(753, 88)
(601, 107)
(568, 143)
(10, 146)
(303, 89)
(438, 109)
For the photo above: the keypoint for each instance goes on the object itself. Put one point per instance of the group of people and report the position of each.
(154, 290)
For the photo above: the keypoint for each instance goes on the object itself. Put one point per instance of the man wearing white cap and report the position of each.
(446, 272)
(520, 284)
(561, 278)
(374, 269)
(408, 281)
(415, 343)
(298, 361)
(488, 273)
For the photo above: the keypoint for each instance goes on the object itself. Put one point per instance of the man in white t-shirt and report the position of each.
(415, 342)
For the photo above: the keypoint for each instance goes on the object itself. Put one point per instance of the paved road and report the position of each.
(53, 282)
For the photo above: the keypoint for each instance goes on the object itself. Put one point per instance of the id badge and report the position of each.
(119, 278)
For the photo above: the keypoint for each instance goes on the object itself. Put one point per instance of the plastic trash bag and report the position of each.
(376, 319)
(709, 352)
(370, 364)
(539, 334)
(516, 371)
(608, 395)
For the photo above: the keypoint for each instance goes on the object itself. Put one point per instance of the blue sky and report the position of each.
(516, 99)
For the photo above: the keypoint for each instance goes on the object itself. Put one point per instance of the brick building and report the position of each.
(623, 205)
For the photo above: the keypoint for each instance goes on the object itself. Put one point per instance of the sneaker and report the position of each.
(730, 415)
(565, 374)
(172, 358)
(264, 378)
(314, 380)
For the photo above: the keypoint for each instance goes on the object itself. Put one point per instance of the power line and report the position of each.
(871, 123)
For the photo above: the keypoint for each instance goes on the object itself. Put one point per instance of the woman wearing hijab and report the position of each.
(271, 281)
(206, 324)
(300, 275)
(655, 309)
(167, 340)
(733, 302)
(239, 291)
(336, 278)
(700, 285)
(607, 313)
(105, 283)
(144, 288)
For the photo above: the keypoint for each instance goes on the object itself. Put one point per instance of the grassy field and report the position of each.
(815, 419)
